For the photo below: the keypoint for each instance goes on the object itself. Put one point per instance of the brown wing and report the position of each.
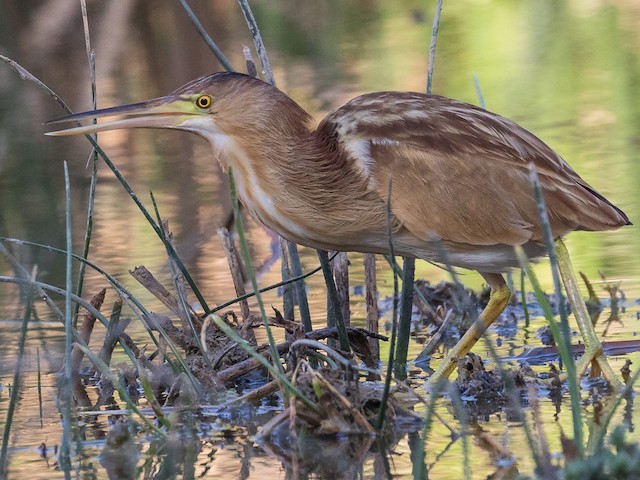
(461, 172)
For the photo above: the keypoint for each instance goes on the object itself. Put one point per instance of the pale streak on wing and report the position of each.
(461, 173)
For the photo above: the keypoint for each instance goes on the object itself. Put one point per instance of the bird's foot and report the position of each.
(497, 303)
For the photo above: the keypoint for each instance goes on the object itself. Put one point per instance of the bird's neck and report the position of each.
(279, 170)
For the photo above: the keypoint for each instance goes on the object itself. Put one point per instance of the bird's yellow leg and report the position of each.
(500, 295)
(592, 347)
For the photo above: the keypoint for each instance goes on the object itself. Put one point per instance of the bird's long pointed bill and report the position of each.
(162, 112)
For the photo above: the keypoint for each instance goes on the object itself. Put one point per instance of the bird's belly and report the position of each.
(496, 258)
(326, 233)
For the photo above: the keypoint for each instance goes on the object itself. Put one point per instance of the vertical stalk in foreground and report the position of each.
(15, 391)
(409, 268)
(570, 365)
(300, 287)
(523, 299)
(332, 294)
(479, 94)
(394, 323)
(275, 357)
(257, 41)
(404, 330)
(432, 59)
(432, 45)
(461, 415)
(296, 266)
(287, 290)
(65, 390)
(39, 387)
(91, 58)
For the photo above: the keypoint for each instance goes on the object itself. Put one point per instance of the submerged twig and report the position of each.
(341, 276)
(234, 268)
(148, 281)
(85, 329)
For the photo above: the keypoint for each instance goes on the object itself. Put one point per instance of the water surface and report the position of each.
(568, 71)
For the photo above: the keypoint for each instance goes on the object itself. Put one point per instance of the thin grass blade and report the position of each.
(66, 395)
(275, 357)
(394, 324)
(570, 365)
(15, 391)
(563, 351)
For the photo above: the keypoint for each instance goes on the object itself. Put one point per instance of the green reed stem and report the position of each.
(523, 299)
(299, 284)
(416, 292)
(332, 293)
(419, 465)
(39, 386)
(404, 329)
(294, 256)
(15, 391)
(563, 350)
(150, 396)
(461, 414)
(257, 41)
(66, 394)
(570, 365)
(275, 357)
(476, 84)
(288, 292)
(172, 254)
(510, 387)
(91, 58)
(296, 265)
(432, 45)
(408, 273)
(394, 323)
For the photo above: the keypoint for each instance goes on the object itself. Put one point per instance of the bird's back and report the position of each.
(461, 174)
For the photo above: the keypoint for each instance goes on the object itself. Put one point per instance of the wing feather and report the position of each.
(461, 173)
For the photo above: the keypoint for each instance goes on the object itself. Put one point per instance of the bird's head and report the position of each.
(215, 106)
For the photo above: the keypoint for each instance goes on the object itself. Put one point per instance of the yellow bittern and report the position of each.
(458, 174)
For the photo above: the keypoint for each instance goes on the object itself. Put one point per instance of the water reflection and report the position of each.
(569, 71)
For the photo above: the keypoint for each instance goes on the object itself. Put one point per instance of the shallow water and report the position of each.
(568, 71)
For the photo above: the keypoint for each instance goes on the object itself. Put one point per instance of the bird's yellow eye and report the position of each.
(204, 101)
